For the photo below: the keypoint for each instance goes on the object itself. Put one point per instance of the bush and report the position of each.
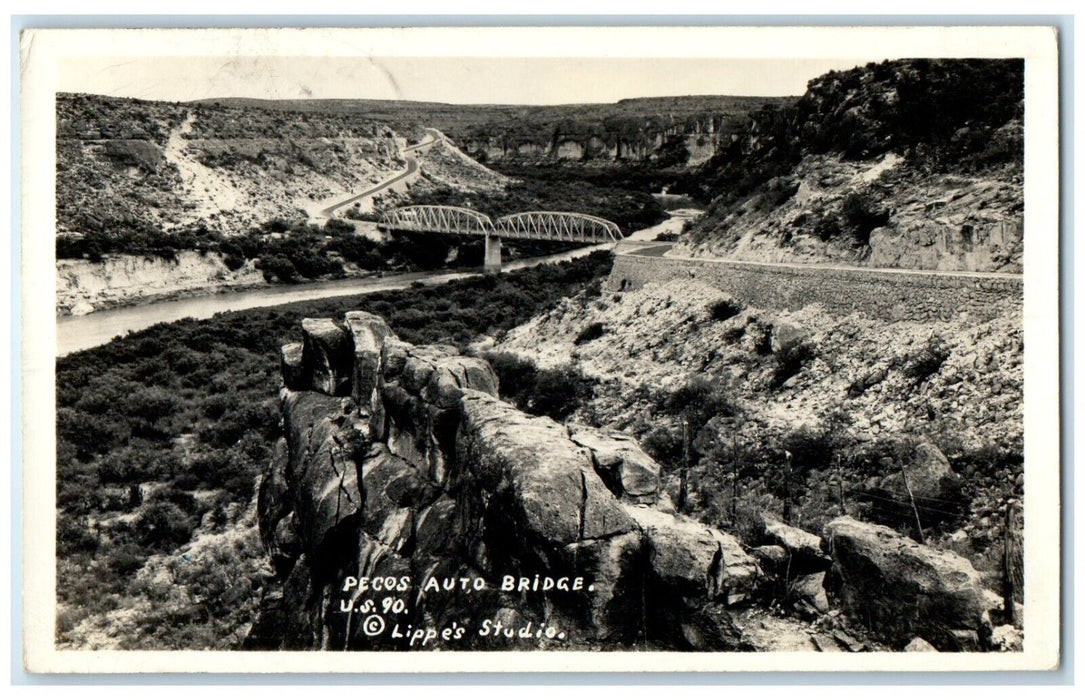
(861, 216)
(663, 445)
(278, 268)
(590, 332)
(790, 360)
(162, 526)
(724, 309)
(73, 536)
(233, 262)
(558, 393)
(125, 561)
(928, 360)
(516, 377)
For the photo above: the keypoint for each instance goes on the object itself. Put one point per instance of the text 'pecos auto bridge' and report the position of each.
(529, 225)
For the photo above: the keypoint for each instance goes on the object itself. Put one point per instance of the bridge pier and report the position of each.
(491, 259)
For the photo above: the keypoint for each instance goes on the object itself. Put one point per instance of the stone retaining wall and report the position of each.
(885, 294)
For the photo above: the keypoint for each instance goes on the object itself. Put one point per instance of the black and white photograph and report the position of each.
(702, 345)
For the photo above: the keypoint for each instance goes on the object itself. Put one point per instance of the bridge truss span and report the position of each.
(438, 218)
(558, 226)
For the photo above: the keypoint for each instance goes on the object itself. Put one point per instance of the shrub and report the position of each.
(516, 376)
(928, 360)
(724, 309)
(590, 332)
(233, 262)
(860, 216)
(162, 525)
(73, 536)
(790, 360)
(558, 393)
(663, 445)
(279, 268)
(125, 561)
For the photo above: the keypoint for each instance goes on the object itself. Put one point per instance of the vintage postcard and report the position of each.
(637, 349)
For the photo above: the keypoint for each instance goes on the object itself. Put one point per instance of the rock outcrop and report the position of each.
(923, 477)
(404, 481)
(901, 589)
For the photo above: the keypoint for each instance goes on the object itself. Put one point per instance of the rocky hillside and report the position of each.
(410, 508)
(815, 414)
(445, 165)
(673, 130)
(913, 163)
(139, 169)
(670, 131)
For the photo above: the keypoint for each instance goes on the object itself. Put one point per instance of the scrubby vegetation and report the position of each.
(556, 393)
(724, 309)
(294, 251)
(810, 473)
(161, 434)
(941, 116)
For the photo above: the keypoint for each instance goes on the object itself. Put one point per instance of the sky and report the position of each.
(453, 80)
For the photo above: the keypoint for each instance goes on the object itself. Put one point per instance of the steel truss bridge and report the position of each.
(530, 225)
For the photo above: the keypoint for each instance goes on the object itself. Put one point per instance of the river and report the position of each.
(75, 333)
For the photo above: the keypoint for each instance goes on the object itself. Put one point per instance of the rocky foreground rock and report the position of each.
(409, 507)
(402, 466)
(902, 589)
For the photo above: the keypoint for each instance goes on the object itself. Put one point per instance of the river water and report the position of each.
(75, 333)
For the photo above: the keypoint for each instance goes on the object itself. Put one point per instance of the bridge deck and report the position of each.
(532, 225)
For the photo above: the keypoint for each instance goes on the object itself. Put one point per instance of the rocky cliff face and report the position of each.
(873, 213)
(84, 286)
(693, 140)
(401, 466)
(671, 130)
(910, 163)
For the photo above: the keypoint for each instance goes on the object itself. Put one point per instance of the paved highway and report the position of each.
(432, 135)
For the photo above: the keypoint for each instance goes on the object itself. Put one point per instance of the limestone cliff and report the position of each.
(84, 286)
(401, 464)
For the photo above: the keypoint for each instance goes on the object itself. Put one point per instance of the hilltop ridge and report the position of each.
(913, 163)
(686, 129)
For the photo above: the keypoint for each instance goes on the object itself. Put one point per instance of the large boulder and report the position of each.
(929, 473)
(931, 482)
(292, 367)
(530, 465)
(692, 559)
(785, 336)
(807, 595)
(368, 334)
(624, 467)
(802, 547)
(327, 356)
(419, 411)
(902, 589)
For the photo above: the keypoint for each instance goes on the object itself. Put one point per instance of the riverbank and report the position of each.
(80, 332)
(75, 333)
